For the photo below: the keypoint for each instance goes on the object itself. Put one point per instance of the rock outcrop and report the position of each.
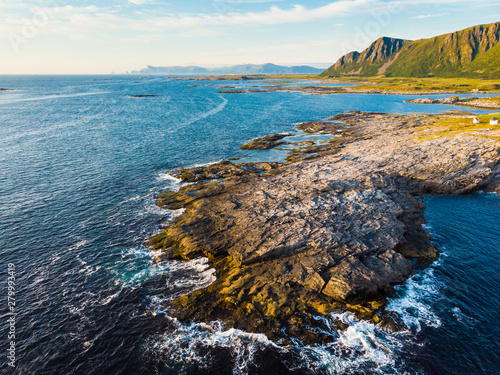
(486, 103)
(336, 231)
(266, 143)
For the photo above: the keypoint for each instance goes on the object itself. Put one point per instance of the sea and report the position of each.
(81, 161)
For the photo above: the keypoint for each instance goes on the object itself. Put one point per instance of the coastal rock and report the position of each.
(423, 101)
(365, 278)
(266, 143)
(222, 170)
(332, 233)
(487, 103)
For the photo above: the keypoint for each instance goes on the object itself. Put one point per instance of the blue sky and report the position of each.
(89, 36)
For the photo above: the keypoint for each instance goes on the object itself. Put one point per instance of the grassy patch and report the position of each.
(450, 126)
(419, 85)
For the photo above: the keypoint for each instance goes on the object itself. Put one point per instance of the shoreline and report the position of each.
(333, 229)
(487, 103)
(325, 90)
(375, 85)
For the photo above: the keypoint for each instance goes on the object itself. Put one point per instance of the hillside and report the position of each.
(235, 69)
(473, 52)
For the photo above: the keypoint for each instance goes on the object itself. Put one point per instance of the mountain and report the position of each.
(473, 52)
(235, 69)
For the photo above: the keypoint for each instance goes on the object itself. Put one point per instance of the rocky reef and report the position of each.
(223, 169)
(266, 143)
(334, 231)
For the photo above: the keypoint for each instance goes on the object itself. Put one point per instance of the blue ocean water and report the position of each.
(80, 164)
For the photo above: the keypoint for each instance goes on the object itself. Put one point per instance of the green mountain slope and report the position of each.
(473, 52)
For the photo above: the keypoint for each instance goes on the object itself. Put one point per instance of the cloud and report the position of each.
(429, 16)
(245, 1)
(201, 33)
(273, 16)
(140, 2)
(93, 18)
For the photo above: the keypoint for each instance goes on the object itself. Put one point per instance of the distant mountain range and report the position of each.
(473, 52)
(235, 69)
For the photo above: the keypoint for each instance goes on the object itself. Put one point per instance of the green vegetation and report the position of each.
(493, 102)
(419, 85)
(453, 125)
(473, 53)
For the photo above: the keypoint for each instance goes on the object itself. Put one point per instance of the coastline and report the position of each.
(367, 85)
(491, 103)
(333, 229)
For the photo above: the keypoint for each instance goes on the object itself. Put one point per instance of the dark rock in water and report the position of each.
(332, 233)
(222, 170)
(231, 91)
(143, 96)
(266, 143)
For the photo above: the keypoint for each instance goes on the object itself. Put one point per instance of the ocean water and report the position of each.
(80, 164)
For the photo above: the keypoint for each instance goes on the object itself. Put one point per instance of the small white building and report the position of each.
(476, 120)
(494, 121)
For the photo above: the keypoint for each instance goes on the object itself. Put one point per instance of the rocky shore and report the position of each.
(266, 143)
(330, 90)
(333, 229)
(483, 103)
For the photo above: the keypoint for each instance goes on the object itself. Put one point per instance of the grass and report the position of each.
(451, 126)
(419, 85)
(493, 102)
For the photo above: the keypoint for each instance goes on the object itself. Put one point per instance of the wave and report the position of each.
(206, 114)
(362, 348)
(183, 343)
(51, 97)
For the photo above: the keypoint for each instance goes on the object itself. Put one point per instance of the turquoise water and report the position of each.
(80, 164)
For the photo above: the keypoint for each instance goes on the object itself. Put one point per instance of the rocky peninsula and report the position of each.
(333, 229)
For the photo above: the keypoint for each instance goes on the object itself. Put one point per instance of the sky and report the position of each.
(100, 37)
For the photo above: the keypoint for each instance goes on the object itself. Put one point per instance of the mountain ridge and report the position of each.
(233, 69)
(472, 52)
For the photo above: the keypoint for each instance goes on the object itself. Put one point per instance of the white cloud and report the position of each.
(245, 1)
(429, 16)
(140, 2)
(201, 33)
(93, 18)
